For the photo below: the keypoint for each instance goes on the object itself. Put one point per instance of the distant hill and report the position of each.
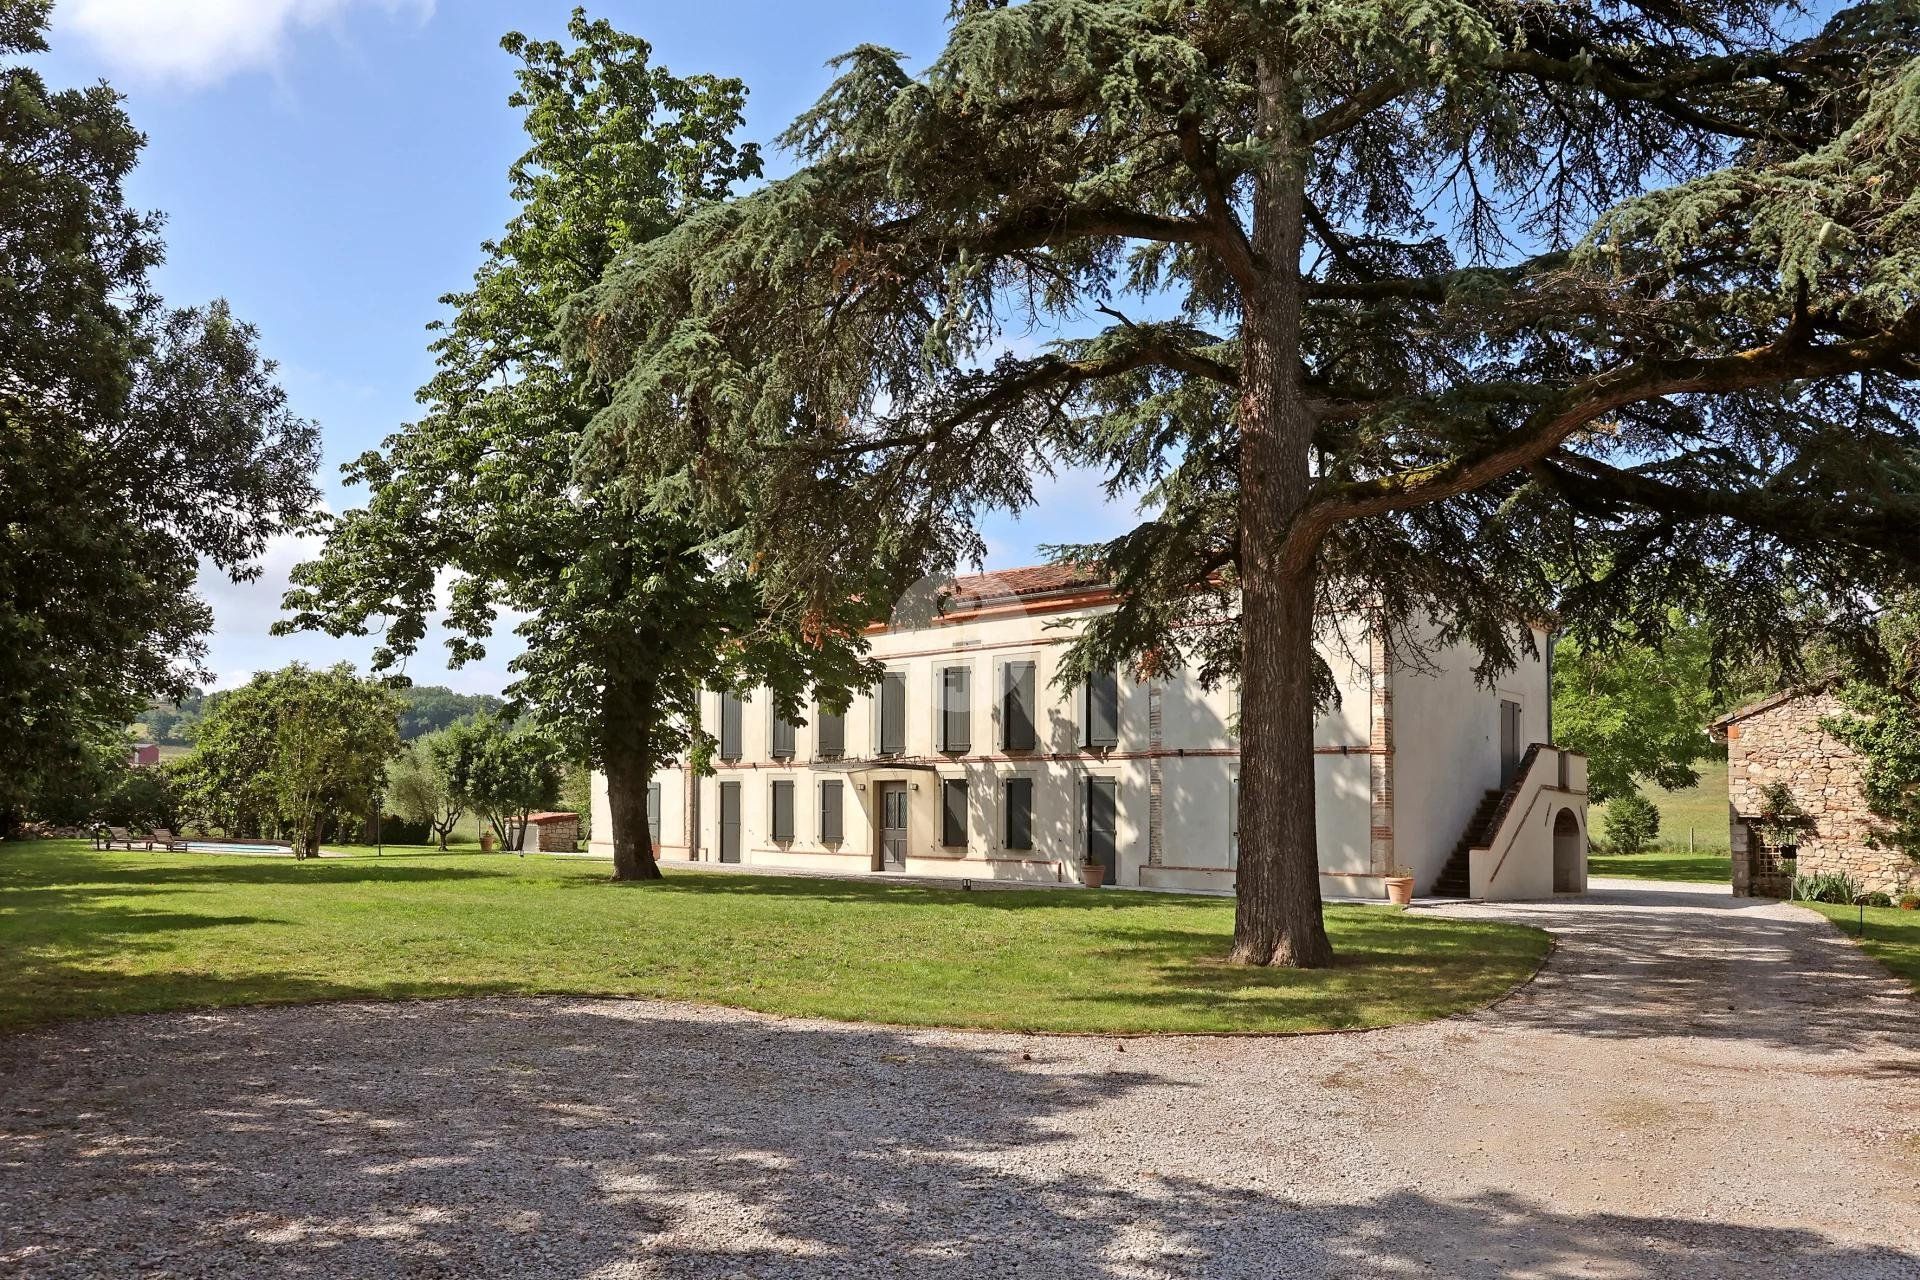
(432, 706)
(429, 707)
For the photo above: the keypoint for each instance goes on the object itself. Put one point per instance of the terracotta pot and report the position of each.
(486, 842)
(1400, 890)
(1093, 874)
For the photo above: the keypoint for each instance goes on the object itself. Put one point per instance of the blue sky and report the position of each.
(331, 166)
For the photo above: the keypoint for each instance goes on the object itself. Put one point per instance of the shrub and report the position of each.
(1910, 902)
(1830, 886)
(1632, 822)
(1877, 899)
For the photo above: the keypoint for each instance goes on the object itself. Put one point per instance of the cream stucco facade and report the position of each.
(1401, 763)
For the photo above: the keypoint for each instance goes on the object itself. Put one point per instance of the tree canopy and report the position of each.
(290, 752)
(630, 607)
(1446, 314)
(135, 439)
(503, 772)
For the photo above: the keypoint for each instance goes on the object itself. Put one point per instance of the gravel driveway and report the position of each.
(1696, 1086)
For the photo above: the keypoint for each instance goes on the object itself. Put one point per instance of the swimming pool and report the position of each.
(212, 846)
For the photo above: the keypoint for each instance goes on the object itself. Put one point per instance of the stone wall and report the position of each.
(1784, 743)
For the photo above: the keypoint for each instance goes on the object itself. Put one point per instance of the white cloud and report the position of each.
(197, 43)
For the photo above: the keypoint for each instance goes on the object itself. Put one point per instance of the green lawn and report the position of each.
(1658, 865)
(85, 933)
(1893, 935)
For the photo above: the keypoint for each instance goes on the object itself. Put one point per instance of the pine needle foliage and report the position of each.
(1446, 312)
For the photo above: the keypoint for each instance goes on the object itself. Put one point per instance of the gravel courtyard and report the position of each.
(1695, 1086)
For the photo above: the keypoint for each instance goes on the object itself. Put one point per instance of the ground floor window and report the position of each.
(783, 810)
(1019, 813)
(953, 813)
(831, 828)
(1103, 813)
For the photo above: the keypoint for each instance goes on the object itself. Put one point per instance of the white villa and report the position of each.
(965, 761)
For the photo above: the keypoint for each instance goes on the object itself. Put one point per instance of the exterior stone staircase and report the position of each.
(1452, 882)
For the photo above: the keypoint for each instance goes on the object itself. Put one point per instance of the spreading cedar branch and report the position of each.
(1447, 313)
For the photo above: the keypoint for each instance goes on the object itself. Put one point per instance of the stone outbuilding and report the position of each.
(1779, 740)
(551, 833)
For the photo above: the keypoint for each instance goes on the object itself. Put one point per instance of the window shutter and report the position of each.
(953, 813)
(893, 713)
(956, 727)
(1102, 812)
(653, 815)
(730, 722)
(783, 737)
(783, 810)
(1019, 813)
(1016, 711)
(830, 736)
(830, 828)
(1103, 709)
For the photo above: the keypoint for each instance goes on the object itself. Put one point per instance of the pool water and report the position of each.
(208, 846)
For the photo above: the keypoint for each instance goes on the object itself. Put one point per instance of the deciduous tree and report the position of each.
(1446, 313)
(290, 751)
(630, 608)
(135, 440)
(504, 772)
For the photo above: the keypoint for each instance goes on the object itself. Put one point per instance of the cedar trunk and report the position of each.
(1278, 918)
(627, 757)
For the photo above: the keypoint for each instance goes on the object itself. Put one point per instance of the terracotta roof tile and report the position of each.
(1032, 580)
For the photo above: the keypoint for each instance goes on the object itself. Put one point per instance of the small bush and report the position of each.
(1632, 823)
(1830, 886)
(1910, 902)
(1877, 899)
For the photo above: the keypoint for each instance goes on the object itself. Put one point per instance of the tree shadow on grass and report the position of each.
(557, 1138)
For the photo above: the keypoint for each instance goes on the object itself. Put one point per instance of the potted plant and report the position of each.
(1093, 874)
(1400, 886)
(486, 842)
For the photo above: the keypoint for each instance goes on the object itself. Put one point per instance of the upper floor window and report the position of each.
(1103, 708)
(783, 737)
(893, 713)
(956, 717)
(731, 721)
(829, 735)
(1017, 707)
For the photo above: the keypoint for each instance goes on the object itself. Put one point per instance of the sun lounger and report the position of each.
(168, 841)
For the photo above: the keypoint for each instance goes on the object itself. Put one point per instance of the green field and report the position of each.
(1700, 809)
(1892, 937)
(98, 933)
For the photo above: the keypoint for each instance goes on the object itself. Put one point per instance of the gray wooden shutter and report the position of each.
(1103, 709)
(1019, 813)
(830, 736)
(1016, 707)
(783, 737)
(830, 821)
(893, 713)
(783, 810)
(1102, 820)
(730, 722)
(953, 813)
(956, 721)
(653, 814)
